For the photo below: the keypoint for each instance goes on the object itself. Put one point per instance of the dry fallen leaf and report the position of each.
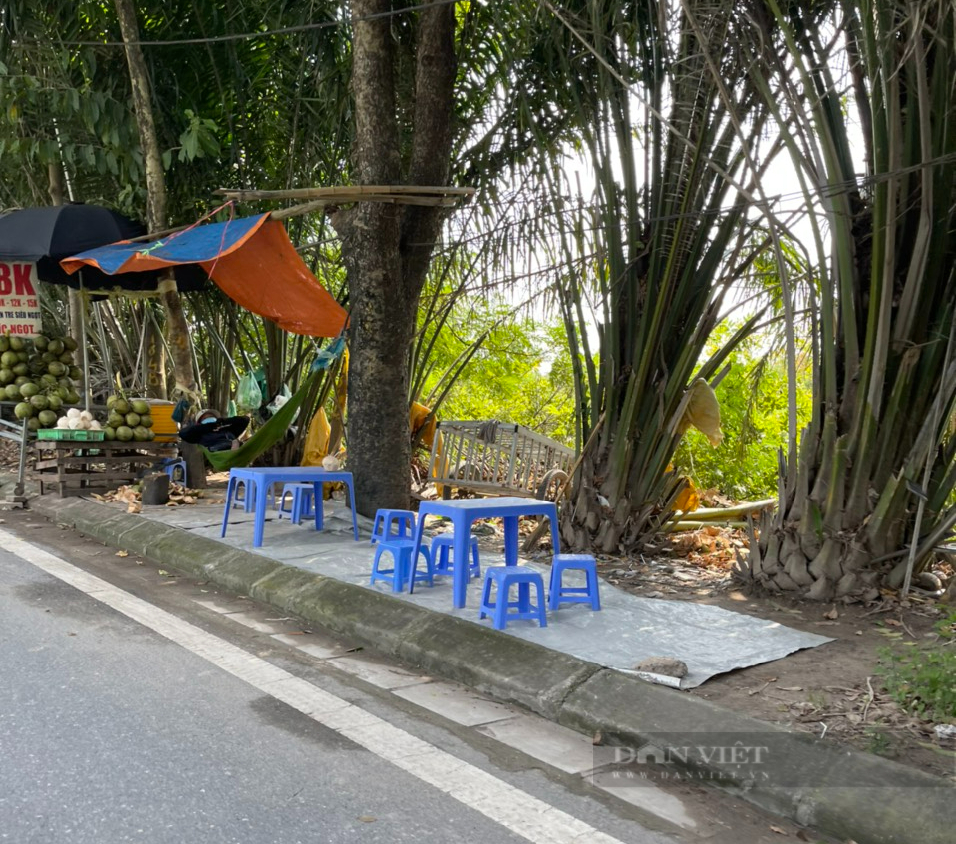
(832, 614)
(778, 830)
(122, 553)
(367, 819)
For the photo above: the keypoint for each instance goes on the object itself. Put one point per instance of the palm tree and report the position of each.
(658, 248)
(867, 492)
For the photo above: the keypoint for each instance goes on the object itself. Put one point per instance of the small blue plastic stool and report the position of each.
(443, 552)
(171, 466)
(302, 495)
(248, 500)
(504, 577)
(559, 594)
(403, 521)
(401, 551)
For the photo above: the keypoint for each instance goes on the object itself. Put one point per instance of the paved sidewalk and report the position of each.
(649, 731)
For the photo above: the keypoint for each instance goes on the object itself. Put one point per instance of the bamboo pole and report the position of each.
(340, 191)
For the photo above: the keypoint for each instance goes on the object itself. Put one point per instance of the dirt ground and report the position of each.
(834, 691)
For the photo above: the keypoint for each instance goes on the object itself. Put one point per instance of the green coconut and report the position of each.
(109, 433)
(21, 369)
(139, 406)
(17, 344)
(40, 342)
(114, 420)
(6, 375)
(76, 373)
(56, 369)
(121, 406)
(39, 401)
(24, 410)
(124, 433)
(4, 343)
(12, 392)
(29, 389)
(132, 419)
(70, 344)
(140, 434)
(47, 418)
(56, 347)
(9, 358)
(55, 401)
(146, 420)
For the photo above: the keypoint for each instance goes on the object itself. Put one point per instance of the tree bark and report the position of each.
(179, 343)
(155, 358)
(387, 249)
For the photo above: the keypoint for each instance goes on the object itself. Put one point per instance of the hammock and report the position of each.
(276, 426)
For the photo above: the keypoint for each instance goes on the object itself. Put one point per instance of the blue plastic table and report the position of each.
(259, 480)
(462, 513)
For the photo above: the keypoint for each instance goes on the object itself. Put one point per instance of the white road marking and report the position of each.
(506, 805)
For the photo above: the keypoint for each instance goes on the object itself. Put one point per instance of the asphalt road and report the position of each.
(111, 732)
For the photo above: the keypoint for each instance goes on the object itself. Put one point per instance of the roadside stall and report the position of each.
(32, 243)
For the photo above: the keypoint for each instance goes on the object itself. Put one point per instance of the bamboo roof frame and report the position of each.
(334, 196)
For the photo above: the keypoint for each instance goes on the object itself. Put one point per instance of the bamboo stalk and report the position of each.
(340, 191)
(680, 527)
(705, 514)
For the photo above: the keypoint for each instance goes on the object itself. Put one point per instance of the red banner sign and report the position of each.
(19, 304)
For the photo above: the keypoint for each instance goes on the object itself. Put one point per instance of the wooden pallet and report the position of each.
(79, 467)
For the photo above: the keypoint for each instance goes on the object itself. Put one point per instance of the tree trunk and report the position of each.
(155, 358)
(386, 248)
(76, 326)
(179, 343)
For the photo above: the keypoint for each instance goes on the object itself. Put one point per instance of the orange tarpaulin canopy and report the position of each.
(251, 259)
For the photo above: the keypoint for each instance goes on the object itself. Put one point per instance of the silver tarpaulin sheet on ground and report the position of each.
(627, 630)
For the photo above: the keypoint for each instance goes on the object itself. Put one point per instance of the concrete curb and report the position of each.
(838, 791)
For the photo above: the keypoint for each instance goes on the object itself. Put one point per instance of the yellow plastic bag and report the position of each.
(418, 420)
(317, 439)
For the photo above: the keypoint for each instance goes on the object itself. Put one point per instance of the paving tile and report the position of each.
(643, 795)
(456, 703)
(256, 622)
(215, 606)
(377, 673)
(551, 743)
(317, 646)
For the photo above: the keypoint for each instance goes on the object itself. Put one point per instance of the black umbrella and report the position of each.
(47, 235)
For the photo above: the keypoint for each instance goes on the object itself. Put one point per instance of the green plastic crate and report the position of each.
(70, 434)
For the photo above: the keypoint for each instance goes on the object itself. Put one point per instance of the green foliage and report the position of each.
(515, 376)
(753, 416)
(921, 678)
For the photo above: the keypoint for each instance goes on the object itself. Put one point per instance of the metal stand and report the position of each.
(9, 431)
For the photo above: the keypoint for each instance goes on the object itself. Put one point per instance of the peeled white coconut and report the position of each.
(86, 415)
(74, 423)
(63, 423)
(73, 413)
(95, 425)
